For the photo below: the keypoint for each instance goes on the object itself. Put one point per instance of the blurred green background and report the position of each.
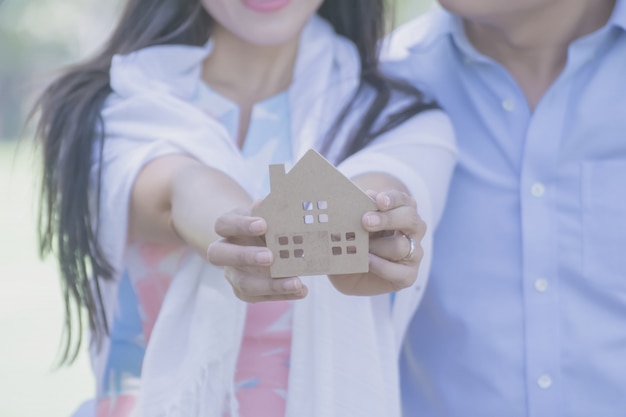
(37, 37)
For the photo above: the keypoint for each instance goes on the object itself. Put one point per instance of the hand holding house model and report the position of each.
(313, 216)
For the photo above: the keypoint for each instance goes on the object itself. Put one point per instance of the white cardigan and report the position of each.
(344, 349)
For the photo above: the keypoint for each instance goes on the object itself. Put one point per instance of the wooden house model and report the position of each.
(314, 216)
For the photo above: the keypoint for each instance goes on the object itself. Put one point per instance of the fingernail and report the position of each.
(386, 201)
(373, 220)
(256, 226)
(292, 285)
(264, 257)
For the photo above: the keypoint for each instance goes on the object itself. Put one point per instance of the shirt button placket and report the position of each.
(539, 251)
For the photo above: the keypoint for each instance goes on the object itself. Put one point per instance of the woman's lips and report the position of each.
(265, 6)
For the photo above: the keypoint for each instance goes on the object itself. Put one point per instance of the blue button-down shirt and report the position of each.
(525, 310)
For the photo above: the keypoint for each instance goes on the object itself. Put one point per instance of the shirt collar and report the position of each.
(618, 18)
(441, 23)
(430, 28)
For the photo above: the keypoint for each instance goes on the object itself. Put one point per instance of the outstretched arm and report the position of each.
(176, 200)
(413, 164)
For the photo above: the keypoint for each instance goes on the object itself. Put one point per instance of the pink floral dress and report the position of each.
(263, 367)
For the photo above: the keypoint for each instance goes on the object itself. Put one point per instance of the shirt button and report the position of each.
(537, 189)
(544, 381)
(541, 285)
(508, 104)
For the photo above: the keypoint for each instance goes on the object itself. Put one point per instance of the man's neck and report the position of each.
(532, 45)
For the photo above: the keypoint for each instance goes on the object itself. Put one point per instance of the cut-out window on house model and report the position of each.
(350, 250)
(339, 250)
(296, 240)
(321, 217)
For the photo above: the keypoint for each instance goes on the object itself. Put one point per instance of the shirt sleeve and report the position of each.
(422, 154)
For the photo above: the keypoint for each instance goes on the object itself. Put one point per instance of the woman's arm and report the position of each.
(413, 164)
(176, 199)
(417, 157)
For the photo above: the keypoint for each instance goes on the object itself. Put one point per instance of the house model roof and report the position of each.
(314, 216)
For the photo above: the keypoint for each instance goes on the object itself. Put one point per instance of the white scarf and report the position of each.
(344, 349)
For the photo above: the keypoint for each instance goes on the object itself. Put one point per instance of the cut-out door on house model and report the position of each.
(313, 214)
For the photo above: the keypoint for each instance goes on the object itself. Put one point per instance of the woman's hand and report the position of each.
(395, 251)
(246, 260)
(394, 259)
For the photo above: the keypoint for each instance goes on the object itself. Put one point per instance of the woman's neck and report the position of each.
(247, 73)
(533, 45)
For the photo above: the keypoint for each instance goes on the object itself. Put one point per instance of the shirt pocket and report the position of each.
(604, 222)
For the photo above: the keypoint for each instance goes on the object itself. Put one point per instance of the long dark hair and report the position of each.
(363, 22)
(70, 126)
